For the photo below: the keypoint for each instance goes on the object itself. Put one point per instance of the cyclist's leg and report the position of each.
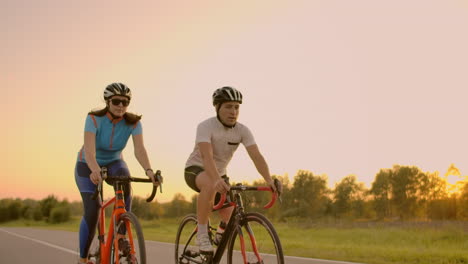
(204, 209)
(198, 180)
(224, 213)
(206, 197)
(120, 168)
(91, 209)
(88, 223)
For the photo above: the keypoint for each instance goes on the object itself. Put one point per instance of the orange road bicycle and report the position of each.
(249, 237)
(124, 242)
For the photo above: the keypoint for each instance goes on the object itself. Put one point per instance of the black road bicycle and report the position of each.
(249, 237)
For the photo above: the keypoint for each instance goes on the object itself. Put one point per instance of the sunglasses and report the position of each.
(118, 101)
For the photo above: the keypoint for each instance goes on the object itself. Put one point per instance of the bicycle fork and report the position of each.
(243, 222)
(118, 228)
(119, 209)
(252, 241)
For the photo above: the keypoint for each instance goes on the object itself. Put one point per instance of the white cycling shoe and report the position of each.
(204, 244)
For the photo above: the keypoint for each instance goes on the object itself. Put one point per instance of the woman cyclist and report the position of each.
(216, 141)
(105, 136)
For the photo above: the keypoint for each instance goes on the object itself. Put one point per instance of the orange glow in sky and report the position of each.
(333, 87)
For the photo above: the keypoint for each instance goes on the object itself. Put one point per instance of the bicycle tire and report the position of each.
(265, 236)
(130, 219)
(186, 239)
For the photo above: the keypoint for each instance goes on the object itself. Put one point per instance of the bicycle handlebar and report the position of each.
(125, 179)
(274, 195)
(158, 178)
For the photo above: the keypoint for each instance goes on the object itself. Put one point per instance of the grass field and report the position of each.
(373, 243)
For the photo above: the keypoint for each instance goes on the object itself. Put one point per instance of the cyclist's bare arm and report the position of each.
(90, 154)
(142, 156)
(260, 164)
(140, 151)
(206, 151)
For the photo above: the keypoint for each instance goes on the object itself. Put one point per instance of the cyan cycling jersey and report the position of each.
(111, 137)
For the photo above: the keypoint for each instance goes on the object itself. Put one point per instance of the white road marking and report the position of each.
(152, 242)
(41, 242)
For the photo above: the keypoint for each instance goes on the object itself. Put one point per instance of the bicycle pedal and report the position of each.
(207, 253)
(191, 253)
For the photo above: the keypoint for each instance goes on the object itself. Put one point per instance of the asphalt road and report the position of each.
(29, 245)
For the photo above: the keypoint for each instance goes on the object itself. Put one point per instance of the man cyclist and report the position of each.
(217, 139)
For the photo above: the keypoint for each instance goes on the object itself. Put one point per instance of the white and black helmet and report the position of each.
(117, 89)
(226, 94)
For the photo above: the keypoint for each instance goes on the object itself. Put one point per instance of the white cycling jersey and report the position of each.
(224, 142)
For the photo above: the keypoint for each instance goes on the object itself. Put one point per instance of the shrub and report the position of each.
(59, 214)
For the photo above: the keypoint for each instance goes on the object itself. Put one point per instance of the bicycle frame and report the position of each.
(236, 219)
(105, 243)
(236, 216)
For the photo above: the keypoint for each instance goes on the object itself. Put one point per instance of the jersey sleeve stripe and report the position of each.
(94, 121)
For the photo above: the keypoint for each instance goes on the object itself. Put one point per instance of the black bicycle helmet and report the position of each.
(117, 89)
(226, 94)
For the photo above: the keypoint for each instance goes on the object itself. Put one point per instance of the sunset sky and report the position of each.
(333, 87)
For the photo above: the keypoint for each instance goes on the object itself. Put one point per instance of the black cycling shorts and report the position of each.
(191, 174)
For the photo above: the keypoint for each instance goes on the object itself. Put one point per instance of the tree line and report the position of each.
(397, 193)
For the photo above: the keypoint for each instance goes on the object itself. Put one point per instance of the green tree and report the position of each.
(60, 214)
(178, 206)
(29, 207)
(15, 208)
(37, 213)
(434, 197)
(11, 209)
(4, 210)
(463, 203)
(47, 204)
(76, 208)
(156, 210)
(381, 191)
(349, 197)
(141, 208)
(406, 188)
(193, 204)
(309, 195)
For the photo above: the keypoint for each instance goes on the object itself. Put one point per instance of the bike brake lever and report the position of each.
(159, 179)
(279, 188)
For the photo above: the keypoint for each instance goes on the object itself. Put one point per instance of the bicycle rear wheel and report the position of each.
(258, 238)
(132, 249)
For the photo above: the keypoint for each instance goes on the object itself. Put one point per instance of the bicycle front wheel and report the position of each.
(255, 241)
(185, 246)
(130, 245)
